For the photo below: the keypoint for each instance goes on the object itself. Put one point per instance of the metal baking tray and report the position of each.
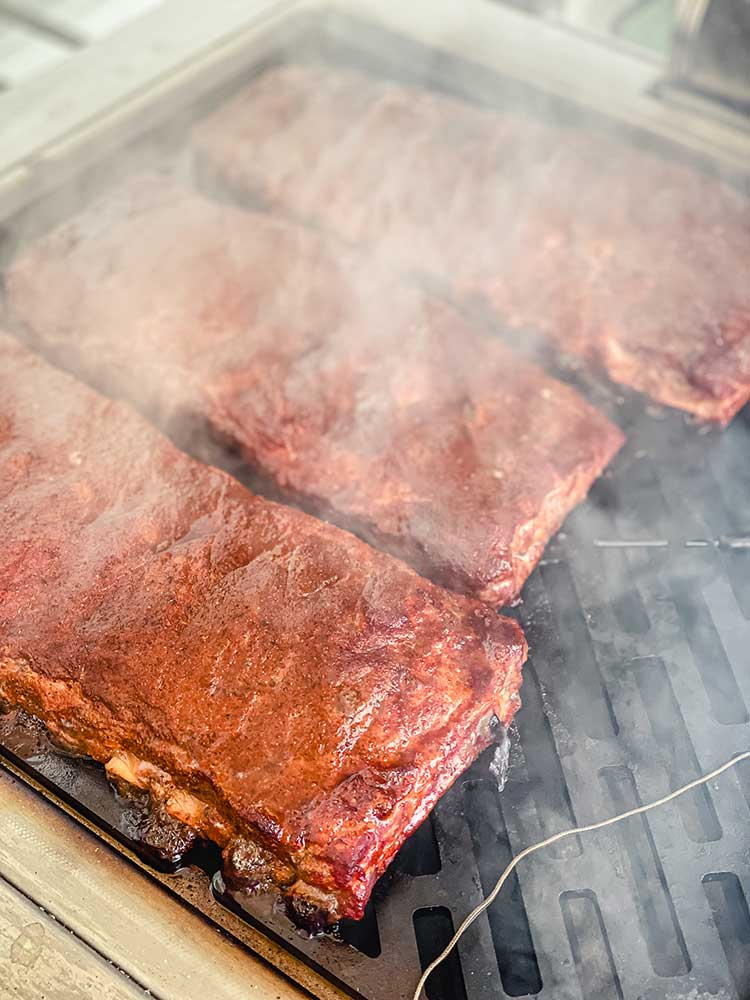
(638, 621)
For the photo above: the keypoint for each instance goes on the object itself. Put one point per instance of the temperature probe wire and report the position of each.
(486, 903)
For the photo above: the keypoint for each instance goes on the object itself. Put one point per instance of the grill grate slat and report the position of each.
(589, 944)
(732, 919)
(661, 931)
(676, 748)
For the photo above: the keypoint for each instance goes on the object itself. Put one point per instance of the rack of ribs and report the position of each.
(274, 682)
(346, 390)
(636, 263)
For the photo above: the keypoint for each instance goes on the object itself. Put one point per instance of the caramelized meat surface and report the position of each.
(346, 390)
(640, 264)
(274, 682)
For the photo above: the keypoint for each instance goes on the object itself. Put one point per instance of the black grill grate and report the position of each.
(638, 622)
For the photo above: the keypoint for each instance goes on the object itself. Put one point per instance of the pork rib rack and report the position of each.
(345, 389)
(613, 253)
(274, 682)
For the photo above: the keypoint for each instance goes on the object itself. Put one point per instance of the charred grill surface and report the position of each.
(274, 683)
(619, 256)
(347, 390)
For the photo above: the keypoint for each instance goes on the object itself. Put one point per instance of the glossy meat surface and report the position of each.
(345, 389)
(294, 694)
(616, 254)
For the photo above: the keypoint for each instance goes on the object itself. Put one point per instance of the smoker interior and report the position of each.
(638, 622)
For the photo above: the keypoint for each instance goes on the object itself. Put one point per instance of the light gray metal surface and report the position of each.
(41, 958)
(24, 53)
(77, 22)
(36, 35)
(101, 921)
